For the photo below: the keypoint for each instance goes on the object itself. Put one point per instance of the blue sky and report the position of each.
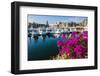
(54, 19)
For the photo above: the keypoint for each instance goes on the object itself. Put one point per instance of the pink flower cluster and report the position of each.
(75, 46)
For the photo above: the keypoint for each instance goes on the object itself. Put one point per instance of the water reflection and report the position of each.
(35, 38)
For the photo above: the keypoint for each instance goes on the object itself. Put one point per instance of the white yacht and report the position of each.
(42, 31)
(35, 32)
(58, 31)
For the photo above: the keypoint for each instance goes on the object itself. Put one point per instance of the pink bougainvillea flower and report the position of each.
(63, 36)
(75, 45)
(71, 42)
(85, 35)
(67, 50)
(59, 43)
(74, 34)
(79, 50)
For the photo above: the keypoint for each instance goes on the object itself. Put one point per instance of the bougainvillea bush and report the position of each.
(75, 46)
